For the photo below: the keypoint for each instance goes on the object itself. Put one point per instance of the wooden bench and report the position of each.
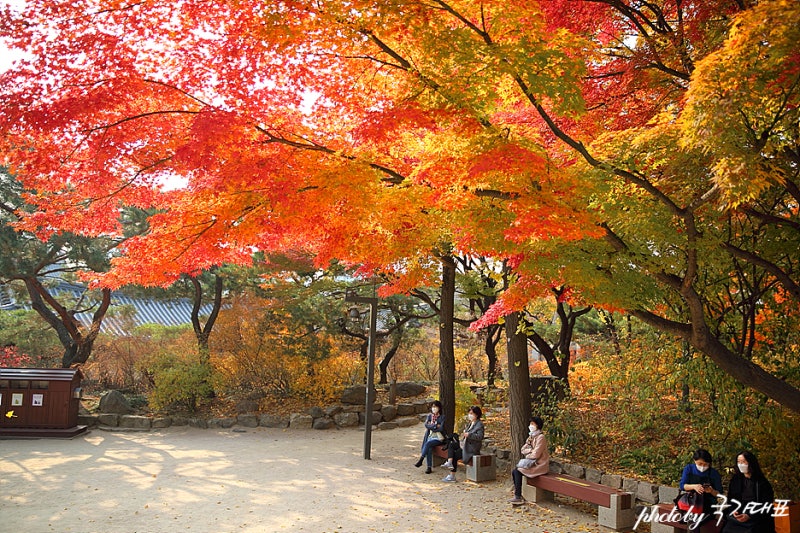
(666, 520)
(479, 467)
(615, 507)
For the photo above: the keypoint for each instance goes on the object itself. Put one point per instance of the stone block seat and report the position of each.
(479, 468)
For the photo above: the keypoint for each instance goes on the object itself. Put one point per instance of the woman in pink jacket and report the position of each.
(535, 458)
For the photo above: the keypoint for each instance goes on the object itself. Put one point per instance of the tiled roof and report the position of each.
(173, 312)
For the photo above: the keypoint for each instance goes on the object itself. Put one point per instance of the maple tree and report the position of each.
(35, 265)
(645, 155)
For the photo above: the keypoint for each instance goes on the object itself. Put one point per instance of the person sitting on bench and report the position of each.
(535, 458)
(469, 445)
(749, 486)
(434, 427)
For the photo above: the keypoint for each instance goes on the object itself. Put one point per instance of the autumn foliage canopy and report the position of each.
(644, 154)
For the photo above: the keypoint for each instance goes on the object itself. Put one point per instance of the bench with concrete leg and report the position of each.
(615, 507)
(479, 468)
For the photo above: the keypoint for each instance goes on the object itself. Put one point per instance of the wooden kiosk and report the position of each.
(40, 402)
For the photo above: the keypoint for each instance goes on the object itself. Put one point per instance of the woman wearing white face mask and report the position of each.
(434, 436)
(749, 486)
(535, 458)
(469, 444)
(700, 477)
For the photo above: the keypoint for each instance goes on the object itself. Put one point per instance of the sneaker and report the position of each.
(516, 501)
(449, 478)
(447, 464)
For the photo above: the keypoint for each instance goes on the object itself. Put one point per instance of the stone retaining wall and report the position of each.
(335, 416)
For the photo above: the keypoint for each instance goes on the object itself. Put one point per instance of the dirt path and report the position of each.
(258, 480)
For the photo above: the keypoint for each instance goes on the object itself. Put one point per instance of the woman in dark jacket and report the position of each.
(749, 486)
(469, 444)
(434, 427)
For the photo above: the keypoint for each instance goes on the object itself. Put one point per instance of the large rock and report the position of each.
(356, 394)
(316, 412)
(422, 406)
(405, 409)
(389, 412)
(324, 423)
(248, 421)
(273, 421)
(408, 389)
(346, 419)
(201, 423)
(333, 410)
(300, 421)
(225, 422)
(135, 422)
(376, 418)
(115, 402)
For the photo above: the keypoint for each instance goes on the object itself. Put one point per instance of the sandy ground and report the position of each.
(256, 480)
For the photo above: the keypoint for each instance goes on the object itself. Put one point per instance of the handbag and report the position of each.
(690, 503)
(526, 463)
(436, 435)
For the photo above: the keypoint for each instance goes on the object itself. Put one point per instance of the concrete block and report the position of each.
(482, 468)
(615, 517)
(535, 494)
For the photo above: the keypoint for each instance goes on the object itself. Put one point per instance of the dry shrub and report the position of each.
(115, 361)
(258, 346)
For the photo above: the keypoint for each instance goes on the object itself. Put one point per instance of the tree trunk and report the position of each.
(203, 332)
(493, 334)
(519, 384)
(447, 359)
(686, 355)
(383, 366)
(77, 345)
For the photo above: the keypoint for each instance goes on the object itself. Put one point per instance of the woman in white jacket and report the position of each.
(535, 458)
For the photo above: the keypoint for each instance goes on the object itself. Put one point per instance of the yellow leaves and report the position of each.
(742, 104)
